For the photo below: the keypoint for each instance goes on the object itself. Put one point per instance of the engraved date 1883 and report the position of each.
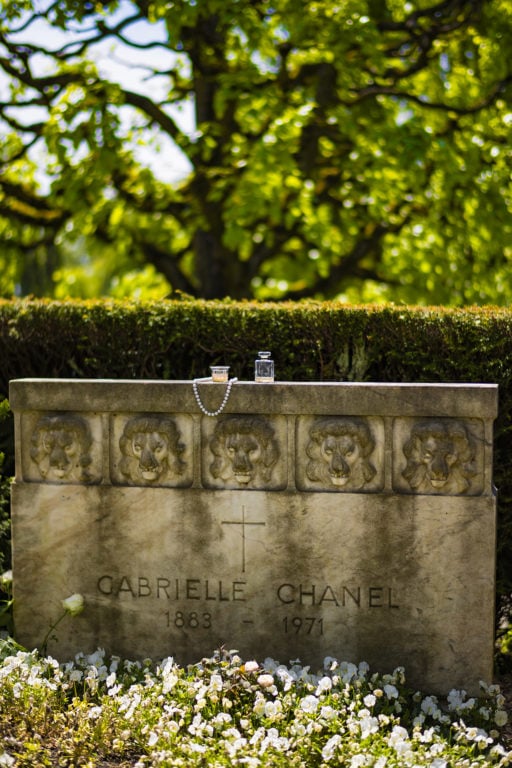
(188, 619)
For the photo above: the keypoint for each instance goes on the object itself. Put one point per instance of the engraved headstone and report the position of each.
(306, 520)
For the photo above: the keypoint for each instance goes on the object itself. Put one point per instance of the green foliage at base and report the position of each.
(98, 711)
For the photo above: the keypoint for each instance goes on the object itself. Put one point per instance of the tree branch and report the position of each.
(434, 12)
(148, 203)
(41, 84)
(158, 117)
(385, 90)
(167, 264)
(349, 266)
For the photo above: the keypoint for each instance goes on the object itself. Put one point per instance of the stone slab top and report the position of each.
(454, 400)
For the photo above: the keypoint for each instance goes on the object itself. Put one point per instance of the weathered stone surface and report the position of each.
(350, 520)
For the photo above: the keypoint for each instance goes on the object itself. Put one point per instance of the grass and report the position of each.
(104, 712)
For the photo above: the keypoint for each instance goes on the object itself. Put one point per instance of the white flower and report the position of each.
(251, 666)
(500, 718)
(347, 671)
(275, 741)
(397, 736)
(298, 729)
(429, 706)
(286, 677)
(221, 719)
(195, 747)
(369, 700)
(265, 681)
(7, 760)
(427, 736)
(456, 699)
(96, 659)
(129, 705)
(330, 747)
(233, 733)
(74, 604)
(215, 683)
(324, 685)
(438, 762)
(390, 691)
(309, 704)
(153, 738)
(6, 580)
(363, 668)
(250, 762)
(478, 735)
(197, 726)
(368, 725)
(499, 751)
(273, 708)
(233, 747)
(259, 705)
(257, 736)
(357, 761)
(403, 750)
(169, 681)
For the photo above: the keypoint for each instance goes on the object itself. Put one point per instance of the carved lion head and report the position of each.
(60, 448)
(244, 448)
(440, 457)
(339, 448)
(151, 449)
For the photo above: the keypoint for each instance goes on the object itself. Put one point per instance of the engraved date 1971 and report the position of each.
(307, 625)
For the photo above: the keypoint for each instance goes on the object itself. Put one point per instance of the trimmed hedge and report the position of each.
(309, 341)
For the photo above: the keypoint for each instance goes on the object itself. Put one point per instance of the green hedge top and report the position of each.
(309, 341)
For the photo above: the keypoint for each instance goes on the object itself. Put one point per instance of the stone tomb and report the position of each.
(308, 519)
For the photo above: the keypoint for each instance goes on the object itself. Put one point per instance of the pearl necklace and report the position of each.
(224, 400)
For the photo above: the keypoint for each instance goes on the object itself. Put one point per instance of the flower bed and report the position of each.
(103, 711)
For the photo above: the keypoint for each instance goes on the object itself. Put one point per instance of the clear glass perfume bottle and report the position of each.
(264, 368)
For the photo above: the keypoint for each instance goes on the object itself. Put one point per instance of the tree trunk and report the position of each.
(218, 269)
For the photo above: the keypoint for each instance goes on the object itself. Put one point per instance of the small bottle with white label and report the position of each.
(264, 368)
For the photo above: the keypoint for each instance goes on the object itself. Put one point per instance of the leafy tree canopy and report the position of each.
(328, 147)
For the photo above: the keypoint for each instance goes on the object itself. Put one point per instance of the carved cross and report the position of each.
(243, 522)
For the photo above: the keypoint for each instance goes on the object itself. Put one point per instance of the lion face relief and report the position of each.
(339, 449)
(60, 448)
(151, 449)
(440, 457)
(245, 450)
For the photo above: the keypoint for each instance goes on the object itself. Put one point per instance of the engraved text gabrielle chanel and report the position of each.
(340, 597)
(163, 588)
